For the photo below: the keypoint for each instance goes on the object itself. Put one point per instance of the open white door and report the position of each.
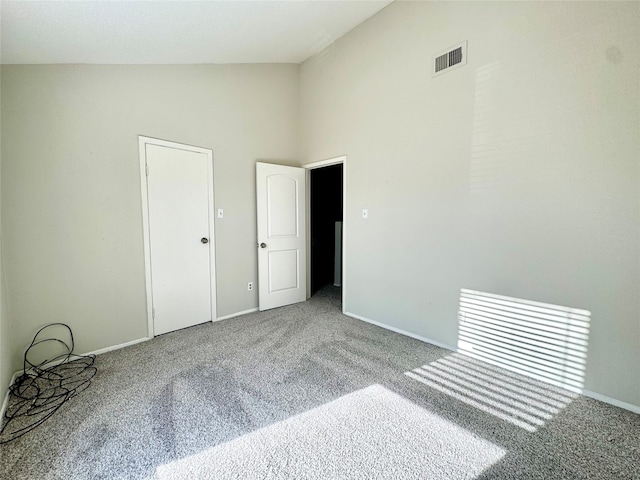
(282, 262)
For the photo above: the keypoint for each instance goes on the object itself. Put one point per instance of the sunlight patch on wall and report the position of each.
(543, 341)
(511, 397)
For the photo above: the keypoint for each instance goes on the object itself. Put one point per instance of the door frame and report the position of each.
(341, 160)
(143, 141)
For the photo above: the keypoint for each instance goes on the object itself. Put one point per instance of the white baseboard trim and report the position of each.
(237, 314)
(95, 352)
(587, 393)
(117, 347)
(402, 332)
(611, 401)
(5, 403)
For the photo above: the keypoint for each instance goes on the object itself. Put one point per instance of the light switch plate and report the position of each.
(220, 213)
(365, 213)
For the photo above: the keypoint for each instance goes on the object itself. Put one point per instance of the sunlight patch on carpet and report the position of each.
(370, 432)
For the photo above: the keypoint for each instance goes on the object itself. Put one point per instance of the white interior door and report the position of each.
(180, 235)
(282, 263)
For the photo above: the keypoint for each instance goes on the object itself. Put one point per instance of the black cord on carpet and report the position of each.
(45, 386)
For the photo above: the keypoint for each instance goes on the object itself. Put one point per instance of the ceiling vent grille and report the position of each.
(450, 59)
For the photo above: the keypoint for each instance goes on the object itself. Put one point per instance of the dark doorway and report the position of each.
(326, 210)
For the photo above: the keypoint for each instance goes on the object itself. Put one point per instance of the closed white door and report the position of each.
(282, 276)
(180, 235)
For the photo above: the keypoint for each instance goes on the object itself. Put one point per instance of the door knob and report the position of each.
(204, 240)
(263, 245)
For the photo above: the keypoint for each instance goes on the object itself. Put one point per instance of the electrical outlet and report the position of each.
(250, 286)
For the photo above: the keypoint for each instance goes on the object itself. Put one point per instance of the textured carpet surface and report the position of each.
(304, 392)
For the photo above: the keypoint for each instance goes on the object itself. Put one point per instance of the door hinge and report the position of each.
(153, 313)
(146, 169)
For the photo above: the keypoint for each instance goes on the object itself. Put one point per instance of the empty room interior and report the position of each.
(410, 240)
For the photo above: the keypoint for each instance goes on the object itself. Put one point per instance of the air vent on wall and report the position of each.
(450, 59)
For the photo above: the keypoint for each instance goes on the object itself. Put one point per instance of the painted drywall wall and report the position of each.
(517, 174)
(6, 363)
(71, 207)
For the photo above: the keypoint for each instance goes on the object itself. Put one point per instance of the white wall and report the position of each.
(517, 174)
(6, 363)
(71, 209)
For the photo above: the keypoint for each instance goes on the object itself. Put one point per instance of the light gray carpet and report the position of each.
(304, 392)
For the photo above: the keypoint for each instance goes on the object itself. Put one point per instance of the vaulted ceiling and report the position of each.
(159, 32)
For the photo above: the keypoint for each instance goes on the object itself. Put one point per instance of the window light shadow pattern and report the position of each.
(519, 360)
(512, 397)
(543, 341)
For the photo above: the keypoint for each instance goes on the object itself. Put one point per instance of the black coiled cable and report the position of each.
(44, 387)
